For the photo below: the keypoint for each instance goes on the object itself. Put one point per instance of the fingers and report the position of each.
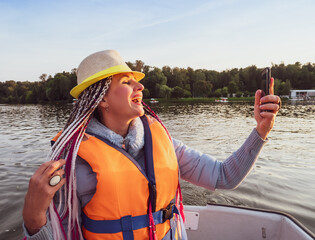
(40, 183)
(268, 115)
(40, 193)
(53, 166)
(43, 167)
(59, 172)
(271, 86)
(269, 107)
(50, 166)
(270, 99)
(270, 103)
(45, 172)
(258, 96)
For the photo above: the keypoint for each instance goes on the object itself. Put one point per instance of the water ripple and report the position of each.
(282, 179)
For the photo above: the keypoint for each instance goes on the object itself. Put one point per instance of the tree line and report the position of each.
(169, 83)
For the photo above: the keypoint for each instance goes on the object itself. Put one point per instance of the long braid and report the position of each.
(179, 197)
(67, 146)
(148, 110)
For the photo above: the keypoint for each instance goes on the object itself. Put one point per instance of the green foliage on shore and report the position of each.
(47, 90)
(170, 83)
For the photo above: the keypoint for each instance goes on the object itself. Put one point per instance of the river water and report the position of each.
(283, 178)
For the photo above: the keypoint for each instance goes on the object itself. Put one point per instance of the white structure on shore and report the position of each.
(302, 94)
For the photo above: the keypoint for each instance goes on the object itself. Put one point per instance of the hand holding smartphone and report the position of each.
(265, 80)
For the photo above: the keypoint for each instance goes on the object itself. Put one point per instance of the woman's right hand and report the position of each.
(40, 194)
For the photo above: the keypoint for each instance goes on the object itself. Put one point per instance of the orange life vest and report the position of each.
(122, 190)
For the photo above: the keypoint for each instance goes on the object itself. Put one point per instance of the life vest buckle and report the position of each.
(168, 212)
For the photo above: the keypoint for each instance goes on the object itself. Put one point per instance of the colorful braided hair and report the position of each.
(179, 197)
(66, 147)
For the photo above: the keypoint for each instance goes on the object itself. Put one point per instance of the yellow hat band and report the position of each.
(75, 92)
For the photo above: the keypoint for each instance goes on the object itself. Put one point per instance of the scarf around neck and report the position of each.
(134, 141)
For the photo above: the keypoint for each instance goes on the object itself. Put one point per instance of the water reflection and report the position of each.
(232, 109)
(283, 178)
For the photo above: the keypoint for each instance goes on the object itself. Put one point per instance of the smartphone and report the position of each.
(265, 80)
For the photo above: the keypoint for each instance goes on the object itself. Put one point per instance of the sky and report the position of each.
(42, 36)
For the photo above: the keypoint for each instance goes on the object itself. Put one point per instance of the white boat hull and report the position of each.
(222, 222)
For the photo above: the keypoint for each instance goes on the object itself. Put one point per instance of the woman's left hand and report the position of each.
(265, 110)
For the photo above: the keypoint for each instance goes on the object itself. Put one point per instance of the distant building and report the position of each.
(302, 94)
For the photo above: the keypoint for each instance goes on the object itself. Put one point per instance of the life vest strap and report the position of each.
(127, 224)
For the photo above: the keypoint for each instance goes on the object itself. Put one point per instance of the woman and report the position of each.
(121, 165)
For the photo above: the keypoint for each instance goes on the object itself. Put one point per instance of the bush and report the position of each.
(29, 98)
(164, 92)
(178, 92)
(187, 94)
(238, 94)
(218, 92)
(225, 91)
(146, 93)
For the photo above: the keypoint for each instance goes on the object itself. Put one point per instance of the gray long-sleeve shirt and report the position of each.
(195, 167)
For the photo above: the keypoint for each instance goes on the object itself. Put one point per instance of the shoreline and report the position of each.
(200, 100)
(164, 100)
